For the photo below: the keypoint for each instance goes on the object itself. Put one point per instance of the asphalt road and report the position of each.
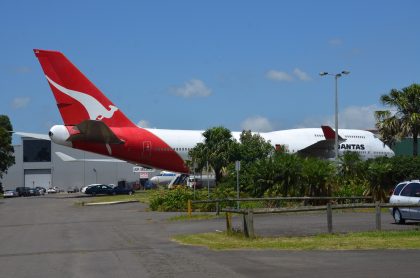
(51, 237)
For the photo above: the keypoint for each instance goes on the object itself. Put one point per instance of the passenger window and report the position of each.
(398, 188)
(415, 191)
(407, 190)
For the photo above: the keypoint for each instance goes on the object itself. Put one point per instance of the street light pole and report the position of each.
(96, 175)
(336, 76)
(336, 118)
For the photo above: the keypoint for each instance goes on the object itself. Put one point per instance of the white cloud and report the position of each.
(358, 117)
(353, 117)
(192, 88)
(301, 75)
(20, 102)
(21, 69)
(335, 42)
(257, 123)
(278, 75)
(143, 123)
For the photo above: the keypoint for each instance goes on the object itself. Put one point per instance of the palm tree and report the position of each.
(405, 121)
(215, 150)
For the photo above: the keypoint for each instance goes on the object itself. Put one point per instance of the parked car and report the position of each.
(10, 194)
(33, 191)
(73, 190)
(122, 190)
(99, 189)
(27, 191)
(407, 192)
(41, 190)
(83, 189)
(22, 191)
(52, 190)
(108, 190)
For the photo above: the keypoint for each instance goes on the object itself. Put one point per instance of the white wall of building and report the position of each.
(67, 175)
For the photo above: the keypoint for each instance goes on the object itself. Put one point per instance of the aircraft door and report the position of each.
(147, 149)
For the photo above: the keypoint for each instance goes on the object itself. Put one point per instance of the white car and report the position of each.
(10, 194)
(52, 190)
(407, 192)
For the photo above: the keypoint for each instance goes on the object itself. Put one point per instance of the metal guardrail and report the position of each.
(248, 222)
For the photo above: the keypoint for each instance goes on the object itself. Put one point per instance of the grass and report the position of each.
(141, 196)
(351, 241)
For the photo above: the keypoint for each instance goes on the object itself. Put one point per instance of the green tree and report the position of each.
(215, 149)
(405, 121)
(317, 176)
(289, 173)
(379, 175)
(252, 147)
(351, 165)
(7, 157)
(250, 150)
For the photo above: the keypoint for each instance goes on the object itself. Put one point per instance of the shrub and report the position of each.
(171, 200)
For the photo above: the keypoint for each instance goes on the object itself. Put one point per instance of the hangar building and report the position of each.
(38, 165)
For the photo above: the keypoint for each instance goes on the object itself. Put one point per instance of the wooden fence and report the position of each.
(248, 214)
(218, 202)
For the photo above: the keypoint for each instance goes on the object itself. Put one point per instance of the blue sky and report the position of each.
(198, 64)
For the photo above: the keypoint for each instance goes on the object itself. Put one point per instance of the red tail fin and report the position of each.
(77, 98)
(329, 133)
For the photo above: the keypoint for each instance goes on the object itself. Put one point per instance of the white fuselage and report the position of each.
(365, 143)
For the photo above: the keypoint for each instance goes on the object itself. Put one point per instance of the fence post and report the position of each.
(189, 208)
(329, 218)
(217, 208)
(378, 216)
(250, 226)
(245, 223)
(228, 222)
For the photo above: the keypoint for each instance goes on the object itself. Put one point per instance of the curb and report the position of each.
(109, 203)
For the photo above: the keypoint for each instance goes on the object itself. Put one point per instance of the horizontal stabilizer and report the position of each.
(68, 158)
(96, 132)
(33, 135)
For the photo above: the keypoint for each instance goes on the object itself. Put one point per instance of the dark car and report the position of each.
(107, 190)
(122, 190)
(33, 192)
(22, 191)
(99, 189)
(27, 191)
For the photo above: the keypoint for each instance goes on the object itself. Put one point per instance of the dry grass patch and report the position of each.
(351, 241)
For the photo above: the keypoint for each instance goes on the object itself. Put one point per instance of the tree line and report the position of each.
(267, 172)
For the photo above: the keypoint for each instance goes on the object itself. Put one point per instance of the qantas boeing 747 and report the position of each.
(93, 123)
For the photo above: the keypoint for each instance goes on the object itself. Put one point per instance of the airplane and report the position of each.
(163, 178)
(93, 123)
(166, 178)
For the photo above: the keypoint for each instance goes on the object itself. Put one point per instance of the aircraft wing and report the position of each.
(94, 131)
(323, 148)
(68, 158)
(33, 135)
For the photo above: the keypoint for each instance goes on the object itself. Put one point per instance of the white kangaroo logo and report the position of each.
(94, 108)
